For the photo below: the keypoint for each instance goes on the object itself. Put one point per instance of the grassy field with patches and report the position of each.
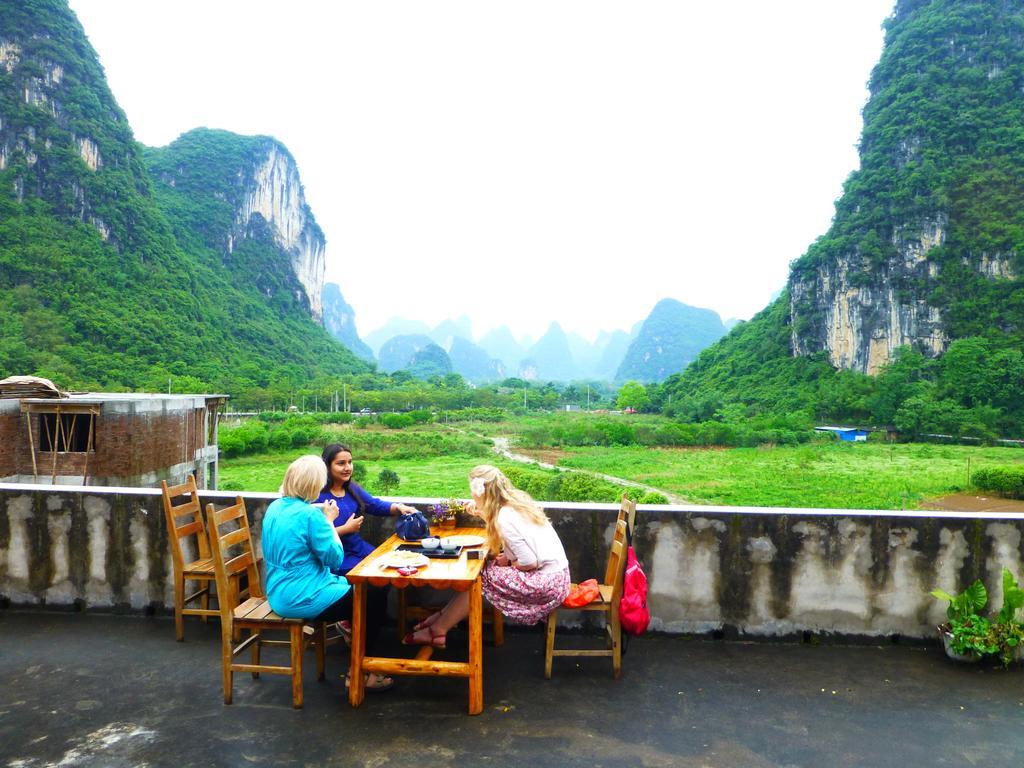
(439, 476)
(832, 475)
(433, 461)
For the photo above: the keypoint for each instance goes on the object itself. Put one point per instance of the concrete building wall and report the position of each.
(138, 442)
(763, 572)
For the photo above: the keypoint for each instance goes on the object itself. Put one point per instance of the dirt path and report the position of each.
(502, 448)
(966, 502)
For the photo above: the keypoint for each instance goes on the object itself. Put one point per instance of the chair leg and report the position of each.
(179, 606)
(320, 639)
(616, 642)
(232, 598)
(498, 627)
(296, 638)
(226, 660)
(204, 599)
(549, 646)
(255, 649)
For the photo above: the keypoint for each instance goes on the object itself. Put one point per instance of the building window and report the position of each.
(69, 435)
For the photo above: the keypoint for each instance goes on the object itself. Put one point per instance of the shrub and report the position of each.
(396, 420)
(653, 497)
(1006, 481)
(421, 416)
(387, 481)
(249, 437)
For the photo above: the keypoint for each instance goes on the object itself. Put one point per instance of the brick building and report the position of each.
(116, 439)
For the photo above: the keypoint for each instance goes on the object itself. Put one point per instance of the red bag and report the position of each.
(633, 614)
(582, 594)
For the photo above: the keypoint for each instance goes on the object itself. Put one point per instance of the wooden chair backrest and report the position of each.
(617, 566)
(627, 511)
(618, 538)
(225, 564)
(194, 522)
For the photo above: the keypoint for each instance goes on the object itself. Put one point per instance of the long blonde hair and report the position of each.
(499, 492)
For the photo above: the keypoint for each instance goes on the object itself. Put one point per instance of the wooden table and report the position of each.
(460, 574)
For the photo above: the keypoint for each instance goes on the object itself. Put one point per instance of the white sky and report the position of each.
(528, 161)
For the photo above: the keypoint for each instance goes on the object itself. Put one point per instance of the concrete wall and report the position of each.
(752, 571)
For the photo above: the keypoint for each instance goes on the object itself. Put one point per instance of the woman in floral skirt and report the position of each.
(527, 580)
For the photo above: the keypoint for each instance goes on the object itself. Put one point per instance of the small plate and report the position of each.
(402, 559)
(466, 541)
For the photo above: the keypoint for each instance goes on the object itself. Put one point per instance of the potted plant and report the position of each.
(965, 633)
(970, 636)
(445, 513)
(1007, 630)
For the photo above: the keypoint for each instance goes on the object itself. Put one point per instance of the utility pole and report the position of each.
(344, 389)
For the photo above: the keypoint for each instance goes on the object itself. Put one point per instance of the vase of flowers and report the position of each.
(444, 514)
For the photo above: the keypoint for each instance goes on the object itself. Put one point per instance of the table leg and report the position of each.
(476, 644)
(356, 685)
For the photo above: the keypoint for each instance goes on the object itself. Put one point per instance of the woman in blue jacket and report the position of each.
(301, 549)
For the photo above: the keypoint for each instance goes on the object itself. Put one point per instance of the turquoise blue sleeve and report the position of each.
(323, 542)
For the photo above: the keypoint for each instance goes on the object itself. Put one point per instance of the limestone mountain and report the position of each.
(550, 358)
(395, 326)
(429, 361)
(923, 256)
(398, 352)
(500, 343)
(340, 322)
(670, 339)
(613, 347)
(111, 277)
(473, 363)
(445, 333)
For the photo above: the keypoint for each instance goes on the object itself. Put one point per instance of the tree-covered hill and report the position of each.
(109, 280)
(917, 280)
(669, 339)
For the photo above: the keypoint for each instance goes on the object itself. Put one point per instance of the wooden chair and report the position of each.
(200, 569)
(255, 613)
(606, 603)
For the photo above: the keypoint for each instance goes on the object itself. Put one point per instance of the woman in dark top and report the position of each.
(353, 502)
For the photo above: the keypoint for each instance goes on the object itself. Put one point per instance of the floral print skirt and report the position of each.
(524, 597)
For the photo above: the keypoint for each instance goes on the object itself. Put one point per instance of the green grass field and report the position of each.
(835, 475)
(818, 474)
(439, 476)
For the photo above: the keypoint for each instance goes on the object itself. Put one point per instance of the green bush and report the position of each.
(248, 437)
(420, 416)
(1006, 481)
(396, 420)
(653, 497)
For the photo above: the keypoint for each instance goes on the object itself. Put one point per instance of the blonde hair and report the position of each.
(304, 478)
(499, 492)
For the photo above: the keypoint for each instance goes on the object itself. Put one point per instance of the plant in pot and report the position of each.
(965, 635)
(1007, 632)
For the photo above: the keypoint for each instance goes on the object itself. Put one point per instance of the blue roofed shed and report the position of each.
(850, 434)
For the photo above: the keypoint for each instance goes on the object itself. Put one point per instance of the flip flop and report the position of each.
(435, 641)
(384, 683)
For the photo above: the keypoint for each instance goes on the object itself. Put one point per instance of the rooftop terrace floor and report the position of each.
(92, 690)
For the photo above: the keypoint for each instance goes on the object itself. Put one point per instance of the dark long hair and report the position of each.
(350, 486)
